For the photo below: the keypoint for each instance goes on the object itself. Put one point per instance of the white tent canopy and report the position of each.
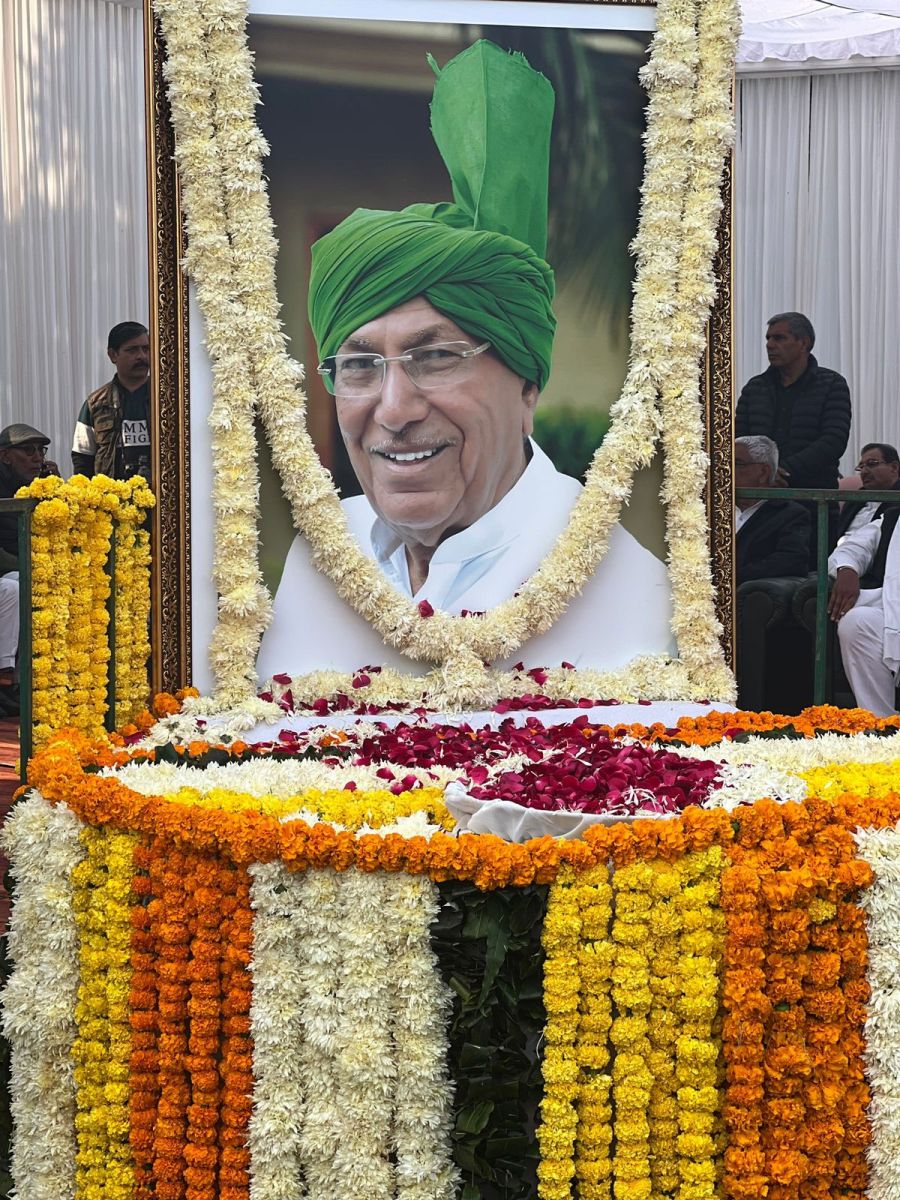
(791, 31)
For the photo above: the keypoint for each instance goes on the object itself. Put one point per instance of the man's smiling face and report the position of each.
(432, 461)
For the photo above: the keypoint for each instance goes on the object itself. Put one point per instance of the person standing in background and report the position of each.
(802, 407)
(112, 433)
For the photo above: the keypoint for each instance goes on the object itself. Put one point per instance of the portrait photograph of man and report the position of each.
(434, 322)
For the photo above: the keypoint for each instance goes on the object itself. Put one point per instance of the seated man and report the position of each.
(865, 602)
(879, 471)
(22, 460)
(435, 329)
(772, 536)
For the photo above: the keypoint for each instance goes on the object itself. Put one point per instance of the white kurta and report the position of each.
(869, 633)
(624, 610)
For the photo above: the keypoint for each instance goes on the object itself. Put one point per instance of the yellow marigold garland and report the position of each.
(665, 927)
(72, 529)
(562, 985)
(132, 599)
(102, 886)
(699, 1045)
(50, 608)
(341, 807)
(593, 1164)
(632, 1079)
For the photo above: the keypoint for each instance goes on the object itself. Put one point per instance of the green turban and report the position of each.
(478, 260)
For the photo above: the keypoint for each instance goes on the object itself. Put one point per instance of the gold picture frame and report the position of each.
(170, 333)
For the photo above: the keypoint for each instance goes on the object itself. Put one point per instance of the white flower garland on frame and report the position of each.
(881, 902)
(231, 258)
(44, 846)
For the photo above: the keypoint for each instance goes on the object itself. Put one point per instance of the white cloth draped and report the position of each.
(73, 231)
(817, 192)
(796, 30)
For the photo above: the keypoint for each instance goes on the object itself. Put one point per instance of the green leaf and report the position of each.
(471, 1056)
(473, 1117)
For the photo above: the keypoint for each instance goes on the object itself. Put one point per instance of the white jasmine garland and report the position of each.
(231, 259)
(316, 920)
(43, 846)
(881, 903)
(365, 1067)
(277, 1029)
(420, 1012)
(268, 777)
(745, 784)
(795, 755)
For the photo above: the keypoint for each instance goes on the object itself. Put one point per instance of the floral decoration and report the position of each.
(72, 529)
(231, 259)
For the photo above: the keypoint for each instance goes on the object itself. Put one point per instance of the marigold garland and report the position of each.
(665, 920)
(102, 886)
(72, 529)
(699, 1044)
(593, 1162)
(557, 1130)
(632, 1080)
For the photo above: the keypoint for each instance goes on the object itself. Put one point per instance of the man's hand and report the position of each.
(782, 478)
(844, 594)
(49, 468)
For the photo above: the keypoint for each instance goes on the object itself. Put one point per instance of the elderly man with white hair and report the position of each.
(772, 536)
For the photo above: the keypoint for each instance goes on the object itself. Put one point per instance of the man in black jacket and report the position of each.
(772, 536)
(803, 407)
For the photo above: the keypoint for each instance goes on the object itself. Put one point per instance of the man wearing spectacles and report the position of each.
(22, 459)
(435, 330)
(878, 470)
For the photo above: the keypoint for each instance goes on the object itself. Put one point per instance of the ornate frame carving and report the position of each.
(170, 395)
(169, 336)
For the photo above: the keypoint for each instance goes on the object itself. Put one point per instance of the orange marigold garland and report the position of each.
(747, 1008)
(237, 1048)
(170, 929)
(211, 883)
(851, 1170)
(144, 1006)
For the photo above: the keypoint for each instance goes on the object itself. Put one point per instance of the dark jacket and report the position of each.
(814, 428)
(874, 576)
(9, 525)
(849, 511)
(105, 406)
(773, 543)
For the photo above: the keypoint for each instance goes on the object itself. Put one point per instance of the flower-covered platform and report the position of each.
(285, 970)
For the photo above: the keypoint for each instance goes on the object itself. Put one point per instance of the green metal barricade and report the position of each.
(822, 498)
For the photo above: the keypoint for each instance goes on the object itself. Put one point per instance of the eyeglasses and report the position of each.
(361, 376)
(870, 463)
(740, 463)
(31, 450)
